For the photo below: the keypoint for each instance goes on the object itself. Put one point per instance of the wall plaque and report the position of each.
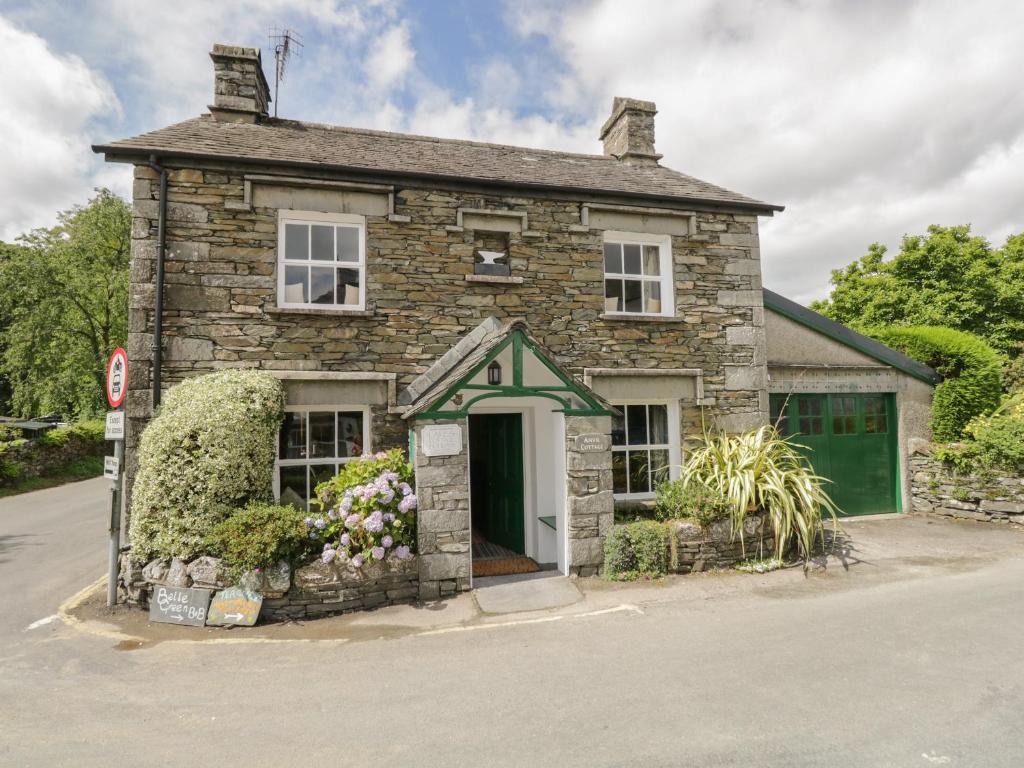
(441, 440)
(175, 605)
(592, 443)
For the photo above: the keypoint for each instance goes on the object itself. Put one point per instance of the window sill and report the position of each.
(499, 279)
(627, 317)
(318, 311)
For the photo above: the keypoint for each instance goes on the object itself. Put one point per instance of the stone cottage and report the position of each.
(543, 330)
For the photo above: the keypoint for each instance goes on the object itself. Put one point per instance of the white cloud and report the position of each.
(390, 59)
(49, 101)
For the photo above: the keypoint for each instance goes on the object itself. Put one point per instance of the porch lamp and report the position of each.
(494, 373)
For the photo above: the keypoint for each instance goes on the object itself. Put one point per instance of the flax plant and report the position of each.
(761, 471)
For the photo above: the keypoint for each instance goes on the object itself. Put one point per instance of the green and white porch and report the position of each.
(506, 443)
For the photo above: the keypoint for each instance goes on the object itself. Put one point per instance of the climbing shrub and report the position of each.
(971, 371)
(635, 550)
(209, 449)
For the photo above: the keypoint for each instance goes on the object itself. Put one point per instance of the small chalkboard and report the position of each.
(175, 605)
(234, 606)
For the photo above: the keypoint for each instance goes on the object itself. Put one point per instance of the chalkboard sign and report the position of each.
(235, 606)
(174, 605)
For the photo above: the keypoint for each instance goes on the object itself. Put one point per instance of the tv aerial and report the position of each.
(286, 42)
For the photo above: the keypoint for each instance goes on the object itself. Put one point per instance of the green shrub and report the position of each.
(9, 434)
(694, 500)
(995, 441)
(259, 535)
(91, 431)
(758, 470)
(971, 371)
(639, 549)
(209, 449)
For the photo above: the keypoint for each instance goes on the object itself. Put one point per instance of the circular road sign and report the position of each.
(117, 378)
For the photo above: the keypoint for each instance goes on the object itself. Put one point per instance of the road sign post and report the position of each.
(117, 388)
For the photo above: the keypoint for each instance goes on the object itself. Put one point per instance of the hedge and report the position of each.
(209, 450)
(971, 371)
(636, 549)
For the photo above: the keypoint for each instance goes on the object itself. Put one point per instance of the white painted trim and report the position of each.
(674, 443)
(316, 217)
(666, 264)
(367, 438)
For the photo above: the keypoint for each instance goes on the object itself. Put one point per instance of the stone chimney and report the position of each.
(629, 133)
(240, 91)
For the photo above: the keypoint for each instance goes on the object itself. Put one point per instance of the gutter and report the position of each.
(158, 310)
(767, 209)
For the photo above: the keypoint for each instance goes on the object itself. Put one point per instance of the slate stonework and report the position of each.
(938, 490)
(221, 291)
(695, 549)
(590, 504)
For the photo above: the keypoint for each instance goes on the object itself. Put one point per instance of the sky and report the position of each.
(867, 120)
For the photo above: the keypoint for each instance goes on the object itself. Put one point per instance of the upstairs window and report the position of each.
(321, 260)
(638, 274)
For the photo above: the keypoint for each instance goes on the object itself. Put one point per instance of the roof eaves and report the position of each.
(849, 337)
(127, 151)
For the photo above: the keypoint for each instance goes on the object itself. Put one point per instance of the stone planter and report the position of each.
(695, 549)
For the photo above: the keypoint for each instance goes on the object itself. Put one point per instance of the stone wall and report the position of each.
(444, 539)
(590, 504)
(317, 589)
(24, 459)
(938, 490)
(695, 549)
(221, 294)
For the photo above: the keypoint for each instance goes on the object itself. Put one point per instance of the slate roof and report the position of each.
(469, 352)
(858, 341)
(288, 142)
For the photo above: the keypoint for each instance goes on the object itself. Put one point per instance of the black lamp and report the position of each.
(494, 373)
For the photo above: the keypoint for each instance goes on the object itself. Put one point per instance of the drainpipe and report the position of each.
(161, 249)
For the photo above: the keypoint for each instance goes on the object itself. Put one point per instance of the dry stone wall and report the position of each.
(938, 490)
(695, 549)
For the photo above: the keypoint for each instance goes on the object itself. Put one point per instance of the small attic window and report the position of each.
(490, 254)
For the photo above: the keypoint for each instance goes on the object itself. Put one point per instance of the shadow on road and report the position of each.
(9, 543)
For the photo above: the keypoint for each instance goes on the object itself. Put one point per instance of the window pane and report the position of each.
(350, 434)
(613, 258)
(612, 295)
(779, 418)
(810, 406)
(658, 424)
(322, 285)
(631, 259)
(322, 243)
(639, 467)
(874, 425)
(348, 287)
(652, 297)
(293, 486)
(619, 428)
(652, 260)
(321, 434)
(296, 241)
(633, 298)
(348, 244)
(636, 424)
(659, 467)
(293, 436)
(296, 285)
(320, 473)
(619, 484)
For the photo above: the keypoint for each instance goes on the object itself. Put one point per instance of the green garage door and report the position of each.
(850, 439)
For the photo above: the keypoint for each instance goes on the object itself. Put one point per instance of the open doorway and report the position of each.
(497, 495)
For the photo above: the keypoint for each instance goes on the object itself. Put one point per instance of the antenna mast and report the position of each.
(286, 42)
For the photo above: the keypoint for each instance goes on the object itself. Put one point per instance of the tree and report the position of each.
(948, 277)
(64, 300)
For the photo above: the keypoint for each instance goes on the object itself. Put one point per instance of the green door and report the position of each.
(850, 439)
(496, 478)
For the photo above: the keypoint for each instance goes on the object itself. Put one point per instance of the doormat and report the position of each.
(504, 566)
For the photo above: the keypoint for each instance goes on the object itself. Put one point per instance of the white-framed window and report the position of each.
(638, 274)
(321, 260)
(314, 442)
(645, 447)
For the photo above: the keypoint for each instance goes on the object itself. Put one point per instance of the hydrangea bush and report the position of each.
(209, 449)
(367, 513)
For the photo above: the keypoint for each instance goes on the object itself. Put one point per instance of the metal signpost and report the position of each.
(117, 388)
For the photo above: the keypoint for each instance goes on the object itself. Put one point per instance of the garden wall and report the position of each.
(938, 490)
(695, 549)
(317, 589)
(48, 454)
